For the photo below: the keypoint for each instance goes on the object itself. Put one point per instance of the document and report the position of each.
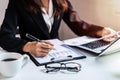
(79, 40)
(61, 52)
(86, 39)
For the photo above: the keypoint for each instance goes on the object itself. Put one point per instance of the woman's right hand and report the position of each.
(38, 49)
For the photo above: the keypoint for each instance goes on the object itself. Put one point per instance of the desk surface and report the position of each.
(93, 68)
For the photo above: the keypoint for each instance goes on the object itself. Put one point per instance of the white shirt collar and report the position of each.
(48, 17)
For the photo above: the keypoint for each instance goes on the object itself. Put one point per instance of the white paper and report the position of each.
(79, 40)
(60, 51)
(86, 39)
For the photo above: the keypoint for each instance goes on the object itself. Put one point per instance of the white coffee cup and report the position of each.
(12, 63)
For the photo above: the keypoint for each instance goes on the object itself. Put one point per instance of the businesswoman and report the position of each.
(41, 18)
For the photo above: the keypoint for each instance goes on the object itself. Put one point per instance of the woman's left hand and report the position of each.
(107, 31)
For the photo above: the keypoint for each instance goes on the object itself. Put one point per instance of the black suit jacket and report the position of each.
(33, 23)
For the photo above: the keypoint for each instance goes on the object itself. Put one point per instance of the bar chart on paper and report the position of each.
(61, 52)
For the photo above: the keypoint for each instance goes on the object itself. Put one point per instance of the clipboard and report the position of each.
(62, 53)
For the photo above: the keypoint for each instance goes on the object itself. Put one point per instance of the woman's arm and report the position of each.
(8, 30)
(81, 27)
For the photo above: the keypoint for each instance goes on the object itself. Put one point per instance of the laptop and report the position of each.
(100, 47)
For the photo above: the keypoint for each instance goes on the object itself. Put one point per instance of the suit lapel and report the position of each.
(39, 20)
(54, 27)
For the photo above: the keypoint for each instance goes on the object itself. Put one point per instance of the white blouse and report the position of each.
(48, 17)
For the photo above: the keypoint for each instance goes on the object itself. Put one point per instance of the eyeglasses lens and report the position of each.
(53, 67)
(73, 67)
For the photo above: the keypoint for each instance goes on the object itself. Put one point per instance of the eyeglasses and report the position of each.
(70, 66)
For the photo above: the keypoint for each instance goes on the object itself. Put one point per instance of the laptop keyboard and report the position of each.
(95, 44)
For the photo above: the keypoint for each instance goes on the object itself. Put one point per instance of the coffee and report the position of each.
(12, 63)
(9, 59)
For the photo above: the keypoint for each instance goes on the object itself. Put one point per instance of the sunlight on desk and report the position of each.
(111, 63)
(93, 68)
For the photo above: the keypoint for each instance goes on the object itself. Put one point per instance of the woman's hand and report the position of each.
(38, 49)
(106, 31)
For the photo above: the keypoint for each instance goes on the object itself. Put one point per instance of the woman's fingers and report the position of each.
(46, 45)
(48, 42)
(43, 49)
(111, 38)
(38, 49)
(112, 35)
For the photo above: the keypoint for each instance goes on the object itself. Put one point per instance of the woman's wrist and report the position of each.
(26, 47)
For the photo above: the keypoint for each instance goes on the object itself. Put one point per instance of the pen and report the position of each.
(36, 39)
(32, 37)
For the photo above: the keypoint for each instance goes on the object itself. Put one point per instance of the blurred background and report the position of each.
(100, 12)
